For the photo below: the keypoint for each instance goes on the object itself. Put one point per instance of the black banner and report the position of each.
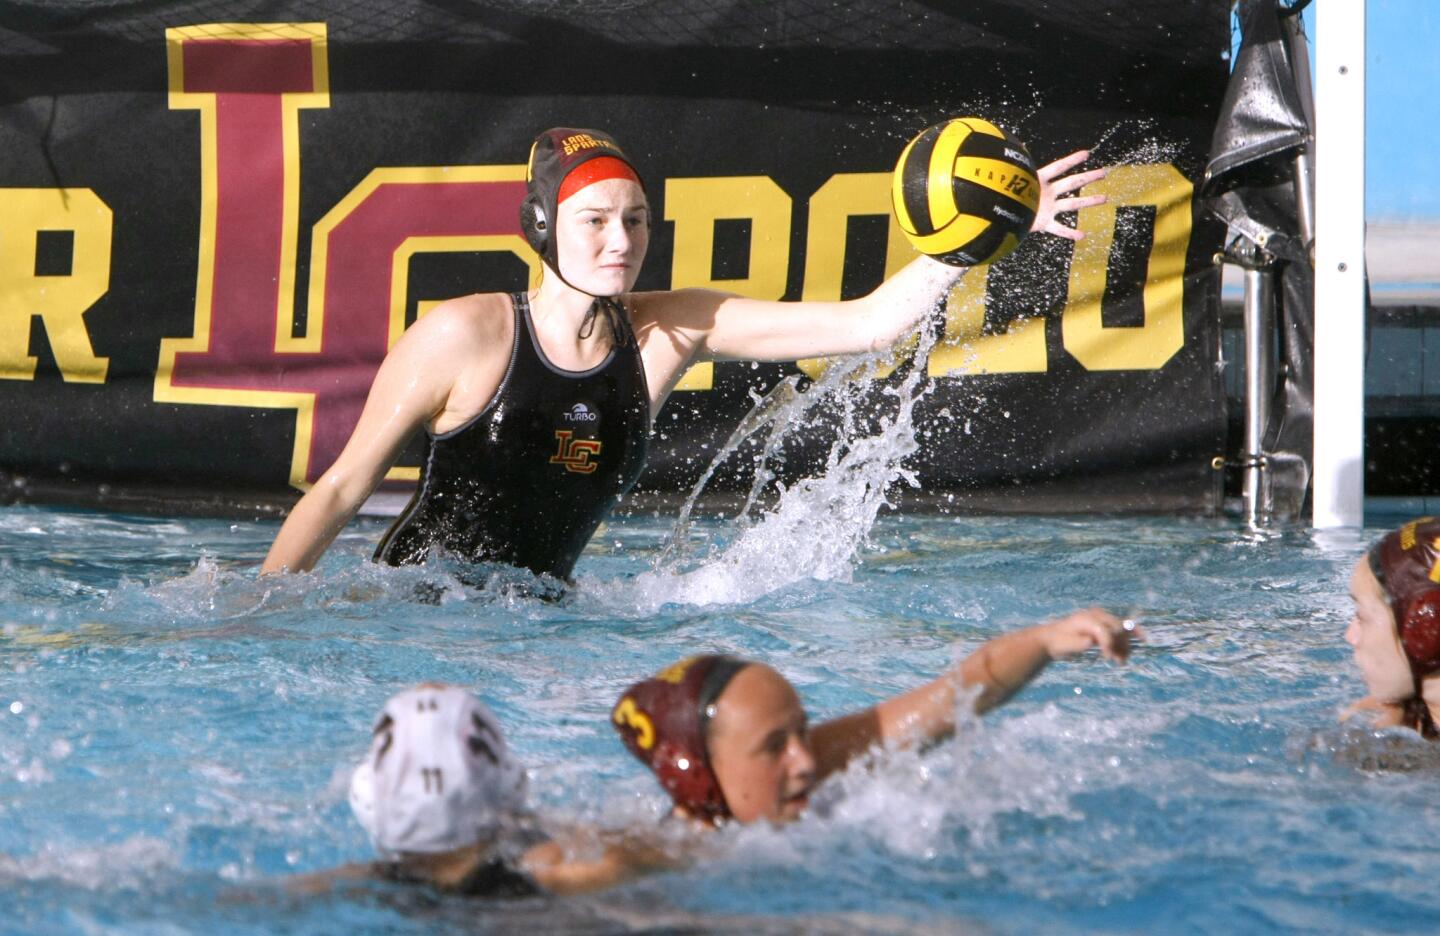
(215, 220)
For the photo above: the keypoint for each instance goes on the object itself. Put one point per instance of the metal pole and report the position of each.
(1304, 162)
(1305, 201)
(1259, 384)
(1339, 491)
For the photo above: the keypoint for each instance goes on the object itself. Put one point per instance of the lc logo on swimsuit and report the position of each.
(575, 453)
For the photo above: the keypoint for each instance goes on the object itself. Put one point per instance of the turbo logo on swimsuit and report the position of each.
(574, 453)
(580, 413)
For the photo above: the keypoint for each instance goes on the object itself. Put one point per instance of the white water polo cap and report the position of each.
(438, 775)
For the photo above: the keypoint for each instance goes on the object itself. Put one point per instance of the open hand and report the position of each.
(1055, 197)
(1093, 627)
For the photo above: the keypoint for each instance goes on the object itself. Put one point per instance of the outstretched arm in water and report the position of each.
(998, 669)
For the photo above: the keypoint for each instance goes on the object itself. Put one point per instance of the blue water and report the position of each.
(177, 734)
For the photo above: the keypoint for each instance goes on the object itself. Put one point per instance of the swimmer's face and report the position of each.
(1376, 641)
(759, 745)
(602, 234)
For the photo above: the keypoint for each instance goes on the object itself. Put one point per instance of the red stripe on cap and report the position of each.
(595, 170)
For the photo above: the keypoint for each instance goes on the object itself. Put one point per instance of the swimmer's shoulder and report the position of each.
(448, 342)
(1371, 749)
(1373, 713)
(477, 319)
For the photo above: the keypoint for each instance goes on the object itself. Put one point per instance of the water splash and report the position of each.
(131, 863)
(779, 403)
(817, 525)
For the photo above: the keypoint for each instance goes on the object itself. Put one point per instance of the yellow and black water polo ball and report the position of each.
(965, 192)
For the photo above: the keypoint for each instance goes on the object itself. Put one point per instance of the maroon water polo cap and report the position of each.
(562, 161)
(1406, 563)
(662, 721)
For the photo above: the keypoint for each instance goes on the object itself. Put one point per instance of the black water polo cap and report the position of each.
(551, 175)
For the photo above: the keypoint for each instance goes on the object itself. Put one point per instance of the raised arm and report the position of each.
(998, 669)
(410, 388)
(709, 325)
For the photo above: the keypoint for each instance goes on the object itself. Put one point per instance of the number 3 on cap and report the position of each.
(629, 715)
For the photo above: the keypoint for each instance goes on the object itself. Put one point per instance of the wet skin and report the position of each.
(1373, 636)
(759, 745)
(602, 235)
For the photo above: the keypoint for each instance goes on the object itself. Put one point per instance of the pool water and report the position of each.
(177, 734)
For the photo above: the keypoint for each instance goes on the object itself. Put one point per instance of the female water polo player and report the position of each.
(443, 801)
(538, 405)
(729, 738)
(1395, 632)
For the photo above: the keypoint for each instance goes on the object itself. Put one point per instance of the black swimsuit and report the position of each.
(526, 482)
(493, 878)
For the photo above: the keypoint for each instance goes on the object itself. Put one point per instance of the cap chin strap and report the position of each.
(610, 305)
(612, 308)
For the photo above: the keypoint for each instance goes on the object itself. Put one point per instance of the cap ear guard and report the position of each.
(1420, 632)
(696, 791)
(534, 225)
